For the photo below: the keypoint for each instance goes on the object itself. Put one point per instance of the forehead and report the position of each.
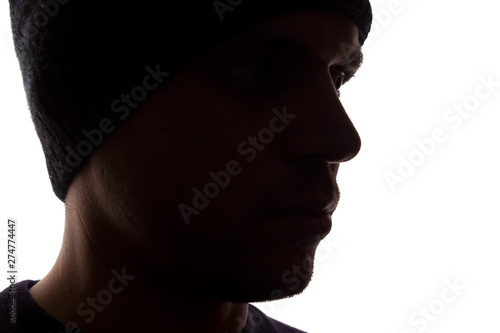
(326, 34)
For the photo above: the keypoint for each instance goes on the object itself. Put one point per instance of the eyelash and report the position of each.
(344, 77)
(338, 80)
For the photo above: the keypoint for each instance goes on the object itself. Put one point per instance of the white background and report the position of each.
(391, 250)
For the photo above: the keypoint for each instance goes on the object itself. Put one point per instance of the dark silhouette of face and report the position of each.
(222, 183)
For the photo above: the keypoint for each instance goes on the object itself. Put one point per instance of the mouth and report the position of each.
(296, 228)
(299, 220)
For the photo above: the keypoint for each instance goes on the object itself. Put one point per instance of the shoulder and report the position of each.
(8, 307)
(259, 322)
(23, 314)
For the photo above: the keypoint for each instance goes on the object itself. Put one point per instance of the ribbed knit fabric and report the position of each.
(78, 57)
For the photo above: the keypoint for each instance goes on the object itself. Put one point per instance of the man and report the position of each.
(197, 166)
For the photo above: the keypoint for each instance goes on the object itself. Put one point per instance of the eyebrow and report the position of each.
(354, 59)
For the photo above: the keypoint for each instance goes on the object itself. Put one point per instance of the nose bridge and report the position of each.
(322, 126)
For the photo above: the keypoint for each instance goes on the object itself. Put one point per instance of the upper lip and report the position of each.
(318, 204)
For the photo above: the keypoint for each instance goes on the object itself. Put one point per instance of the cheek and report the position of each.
(172, 145)
(153, 169)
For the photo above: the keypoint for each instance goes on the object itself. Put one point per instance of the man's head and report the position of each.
(222, 181)
(88, 65)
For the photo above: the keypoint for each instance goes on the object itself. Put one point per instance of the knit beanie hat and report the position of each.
(88, 64)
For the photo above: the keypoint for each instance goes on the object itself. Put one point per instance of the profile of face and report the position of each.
(222, 184)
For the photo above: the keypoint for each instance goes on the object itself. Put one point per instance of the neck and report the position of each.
(99, 285)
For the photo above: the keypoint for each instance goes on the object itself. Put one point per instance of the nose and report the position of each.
(322, 126)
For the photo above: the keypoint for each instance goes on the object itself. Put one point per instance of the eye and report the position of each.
(338, 79)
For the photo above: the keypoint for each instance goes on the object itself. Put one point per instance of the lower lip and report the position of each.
(296, 229)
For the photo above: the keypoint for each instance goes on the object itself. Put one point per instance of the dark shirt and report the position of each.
(31, 318)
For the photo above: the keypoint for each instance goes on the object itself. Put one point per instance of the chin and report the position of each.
(264, 292)
(242, 276)
(280, 291)
(276, 283)
(243, 285)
